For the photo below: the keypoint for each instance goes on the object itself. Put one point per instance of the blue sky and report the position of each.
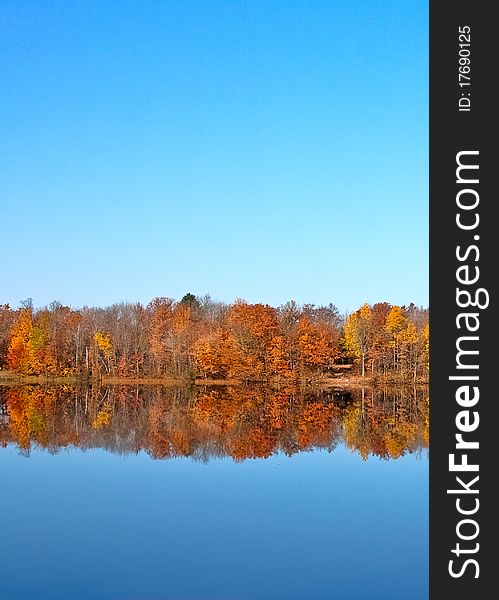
(264, 150)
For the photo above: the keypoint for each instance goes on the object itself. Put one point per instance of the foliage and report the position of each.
(198, 337)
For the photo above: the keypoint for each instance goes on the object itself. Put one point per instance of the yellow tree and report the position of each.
(104, 346)
(41, 346)
(378, 336)
(426, 347)
(396, 324)
(356, 334)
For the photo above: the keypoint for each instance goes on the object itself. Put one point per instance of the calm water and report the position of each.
(219, 494)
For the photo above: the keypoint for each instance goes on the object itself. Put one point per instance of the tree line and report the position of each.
(198, 337)
(239, 421)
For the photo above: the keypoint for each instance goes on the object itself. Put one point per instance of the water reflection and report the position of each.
(240, 422)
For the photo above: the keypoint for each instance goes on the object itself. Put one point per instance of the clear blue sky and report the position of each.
(266, 150)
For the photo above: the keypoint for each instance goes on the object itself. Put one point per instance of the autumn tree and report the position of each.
(7, 317)
(160, 332)
(252, 329)
(356, 334)
(20, 350)
(378, 336)
(103, 349)
(318, 347)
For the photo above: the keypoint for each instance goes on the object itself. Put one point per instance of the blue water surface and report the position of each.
(100, 526)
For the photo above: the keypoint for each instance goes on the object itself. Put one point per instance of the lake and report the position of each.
(152, 493)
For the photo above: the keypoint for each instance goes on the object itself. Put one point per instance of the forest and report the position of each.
(200, 338)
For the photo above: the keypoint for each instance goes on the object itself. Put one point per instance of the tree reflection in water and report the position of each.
(240, 422)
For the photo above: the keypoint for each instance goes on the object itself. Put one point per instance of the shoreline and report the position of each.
(10, 379)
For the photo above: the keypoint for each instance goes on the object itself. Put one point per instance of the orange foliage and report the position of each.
(193, 338)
